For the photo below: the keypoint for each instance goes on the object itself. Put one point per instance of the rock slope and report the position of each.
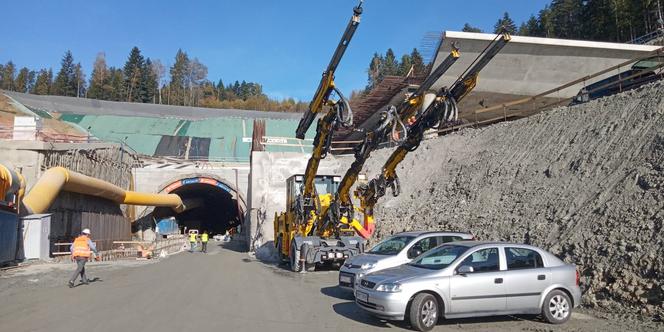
(585, 182)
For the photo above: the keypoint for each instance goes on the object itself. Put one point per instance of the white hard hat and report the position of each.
(86, 231)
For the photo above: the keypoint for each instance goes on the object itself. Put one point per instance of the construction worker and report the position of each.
(204, 241)
(192, 241)
(81, 250)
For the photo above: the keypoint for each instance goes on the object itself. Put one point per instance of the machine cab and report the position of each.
(325, 184)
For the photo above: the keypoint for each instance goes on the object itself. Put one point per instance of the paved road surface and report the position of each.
(224, 290)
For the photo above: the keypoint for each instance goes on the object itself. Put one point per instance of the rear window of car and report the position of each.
(522, 258)
(449, 238)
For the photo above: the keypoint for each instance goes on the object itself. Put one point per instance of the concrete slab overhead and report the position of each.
(531, 65)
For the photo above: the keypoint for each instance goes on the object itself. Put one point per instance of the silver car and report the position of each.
(394, 251)
(466, 279)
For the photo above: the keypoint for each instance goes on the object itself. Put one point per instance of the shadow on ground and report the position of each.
(489, 319)
(337, 293)
(233, 246)
(351, 311)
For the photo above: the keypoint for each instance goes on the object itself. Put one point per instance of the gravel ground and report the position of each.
(585, 182)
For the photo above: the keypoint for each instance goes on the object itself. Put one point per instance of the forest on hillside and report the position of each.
(597, 20)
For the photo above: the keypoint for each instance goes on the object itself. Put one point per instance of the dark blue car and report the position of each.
(641, 73)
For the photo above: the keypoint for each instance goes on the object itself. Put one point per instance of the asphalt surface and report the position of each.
(224, 290)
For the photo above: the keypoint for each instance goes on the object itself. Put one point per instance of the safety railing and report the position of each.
(659, 33)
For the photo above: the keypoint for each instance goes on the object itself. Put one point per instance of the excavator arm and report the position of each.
(441, 111)
(391, 122)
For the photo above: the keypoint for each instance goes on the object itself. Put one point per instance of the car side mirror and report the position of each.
(465, 269)
(414, 252)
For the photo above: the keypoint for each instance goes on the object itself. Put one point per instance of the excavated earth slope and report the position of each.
(585, 182)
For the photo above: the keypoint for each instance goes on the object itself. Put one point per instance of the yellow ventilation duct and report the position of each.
(57, 179)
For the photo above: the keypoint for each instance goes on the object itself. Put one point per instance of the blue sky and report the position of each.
(284, 45)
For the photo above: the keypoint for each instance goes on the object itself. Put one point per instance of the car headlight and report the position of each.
(368, 266)
(389, 288)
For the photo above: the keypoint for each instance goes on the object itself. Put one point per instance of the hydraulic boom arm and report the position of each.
(442, 110)
(326, 85)
(342, 209)
(338, 115)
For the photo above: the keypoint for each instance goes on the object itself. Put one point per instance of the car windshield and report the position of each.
(440, 257)
(391, 246)
(649, 63)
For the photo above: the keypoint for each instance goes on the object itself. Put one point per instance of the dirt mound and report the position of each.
(585, 182)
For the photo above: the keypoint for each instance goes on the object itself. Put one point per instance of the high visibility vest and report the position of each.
(81, 247)
(204, 237)
(192, 237)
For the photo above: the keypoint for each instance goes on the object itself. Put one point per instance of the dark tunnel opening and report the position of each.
(209, 208)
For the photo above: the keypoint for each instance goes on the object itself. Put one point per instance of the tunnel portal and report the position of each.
(211, 205)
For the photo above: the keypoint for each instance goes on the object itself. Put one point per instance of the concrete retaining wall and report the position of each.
(267, 192)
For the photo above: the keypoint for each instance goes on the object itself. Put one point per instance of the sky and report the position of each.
(285, 45)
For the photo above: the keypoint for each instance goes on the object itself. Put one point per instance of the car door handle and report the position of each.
(498, 280)
(541, 277)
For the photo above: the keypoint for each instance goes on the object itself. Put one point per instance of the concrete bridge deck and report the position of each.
(530, 65)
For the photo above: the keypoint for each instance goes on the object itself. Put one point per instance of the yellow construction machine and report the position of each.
(299, 233)
(319, 224)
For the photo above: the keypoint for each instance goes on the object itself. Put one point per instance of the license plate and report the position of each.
(364, 297)
(344, 279)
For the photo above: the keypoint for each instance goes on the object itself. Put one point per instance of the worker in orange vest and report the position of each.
(81, 251)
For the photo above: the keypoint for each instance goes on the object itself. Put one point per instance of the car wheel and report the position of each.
(557, 307)
(294, 258)
(424, 312)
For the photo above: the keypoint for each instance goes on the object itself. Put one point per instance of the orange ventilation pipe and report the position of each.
(56, 179)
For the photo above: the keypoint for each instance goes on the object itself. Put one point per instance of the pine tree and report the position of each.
(134, 85)
(221, 90)
(418, 63)
(8, 76)
(178, 78)
(79, 80)
(65, 84)
(158, 74)
(98, 78)
(150, 82)
(43, 83)
(23, 80)
(566, 18)
(375, 72)
(390, 64)
(405, 65)
(532, 27)
(116, 85)
(469, 28)
(507, 23)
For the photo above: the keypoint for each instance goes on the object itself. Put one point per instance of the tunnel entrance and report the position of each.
(212, 206)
